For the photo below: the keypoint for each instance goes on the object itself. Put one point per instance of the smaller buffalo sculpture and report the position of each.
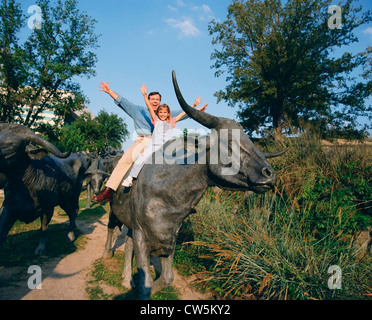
(37, 182)
(94, 177)
(165, 194)
(98, 171)
(2, 181)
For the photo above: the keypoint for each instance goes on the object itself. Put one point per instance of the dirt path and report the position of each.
(66, 278)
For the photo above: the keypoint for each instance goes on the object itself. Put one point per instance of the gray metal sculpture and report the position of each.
(94, 177)
(165, 194)
(37, 182)
(99, 170)
(2, 181)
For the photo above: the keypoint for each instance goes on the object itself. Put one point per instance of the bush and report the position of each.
(266, 248)
(333, 180)
(281, 245)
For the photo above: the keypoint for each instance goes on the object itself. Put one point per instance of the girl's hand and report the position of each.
(203, 108)
(144, 89)
(197, 102)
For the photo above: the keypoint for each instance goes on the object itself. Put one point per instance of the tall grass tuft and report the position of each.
(266, 249)
(331, 180)
(281, 245)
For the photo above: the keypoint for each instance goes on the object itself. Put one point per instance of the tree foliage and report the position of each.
(86, 133)
(39, 73)
(282, 66)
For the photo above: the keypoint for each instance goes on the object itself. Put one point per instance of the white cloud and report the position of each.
(205, 12)
(368, 31)
(206, 9)
(181, 3)
(172, 8)
(186, 26)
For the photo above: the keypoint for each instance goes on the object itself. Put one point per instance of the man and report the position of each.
(144, 129)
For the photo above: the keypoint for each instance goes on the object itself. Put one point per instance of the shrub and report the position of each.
(280, 245)
(334, 180)
(265, 248)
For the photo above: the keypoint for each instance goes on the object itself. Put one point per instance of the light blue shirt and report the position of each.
(141, 116)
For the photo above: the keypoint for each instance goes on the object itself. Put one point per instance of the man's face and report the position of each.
(155, 101)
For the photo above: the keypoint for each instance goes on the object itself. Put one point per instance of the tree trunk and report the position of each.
(277, 113)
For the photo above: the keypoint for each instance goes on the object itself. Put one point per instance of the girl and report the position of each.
(163, 127)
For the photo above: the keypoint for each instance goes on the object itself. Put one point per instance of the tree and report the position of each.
(86, 133)
(11, 68)
(282, 65)
(40, 73)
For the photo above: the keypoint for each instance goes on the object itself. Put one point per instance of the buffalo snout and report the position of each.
(268, 172)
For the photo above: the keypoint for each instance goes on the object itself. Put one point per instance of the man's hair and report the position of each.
(155, 94)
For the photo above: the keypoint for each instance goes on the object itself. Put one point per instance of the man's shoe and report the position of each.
(103, 197)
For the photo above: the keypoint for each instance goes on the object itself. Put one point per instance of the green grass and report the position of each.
(23, 239)
(273, 246)
(266, 249)
(281, 244)
(107, 274)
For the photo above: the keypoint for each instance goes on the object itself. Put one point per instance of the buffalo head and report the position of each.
(248, 168)
(15, 148)
(96, 175)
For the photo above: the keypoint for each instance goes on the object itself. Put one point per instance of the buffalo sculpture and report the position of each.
(2, 181)
(98, 171)
(166, 191)
(37, 182)
(94, 177)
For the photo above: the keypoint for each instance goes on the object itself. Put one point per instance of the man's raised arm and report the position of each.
(104, 86)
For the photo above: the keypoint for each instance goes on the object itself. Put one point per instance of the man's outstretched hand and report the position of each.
(104, 87)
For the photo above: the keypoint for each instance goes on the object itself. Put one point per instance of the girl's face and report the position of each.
(163, 114)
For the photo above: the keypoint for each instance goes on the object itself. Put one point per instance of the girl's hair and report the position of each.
(164, 106)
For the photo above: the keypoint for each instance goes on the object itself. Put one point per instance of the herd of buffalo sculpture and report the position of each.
(153, 209)
(98, 171)
(37, 182)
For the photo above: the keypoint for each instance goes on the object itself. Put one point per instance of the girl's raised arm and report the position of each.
(196, 103)
(144, 92)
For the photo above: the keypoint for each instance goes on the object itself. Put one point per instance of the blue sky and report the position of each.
(143, 41)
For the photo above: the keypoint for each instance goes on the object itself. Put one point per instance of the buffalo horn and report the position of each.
(97, 171)
(275, 155)
(27, 134)
(203, 118)
(47, 145)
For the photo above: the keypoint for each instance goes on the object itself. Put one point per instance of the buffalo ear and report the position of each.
(36, 154)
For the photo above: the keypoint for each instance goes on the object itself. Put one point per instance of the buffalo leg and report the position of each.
(89, 196)
(166, 277)
(72, 215)
(112, 224)
(45, 220)
(142, 255)
(107, 253)
(7, 221)
(128, 259)
(72, 212)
